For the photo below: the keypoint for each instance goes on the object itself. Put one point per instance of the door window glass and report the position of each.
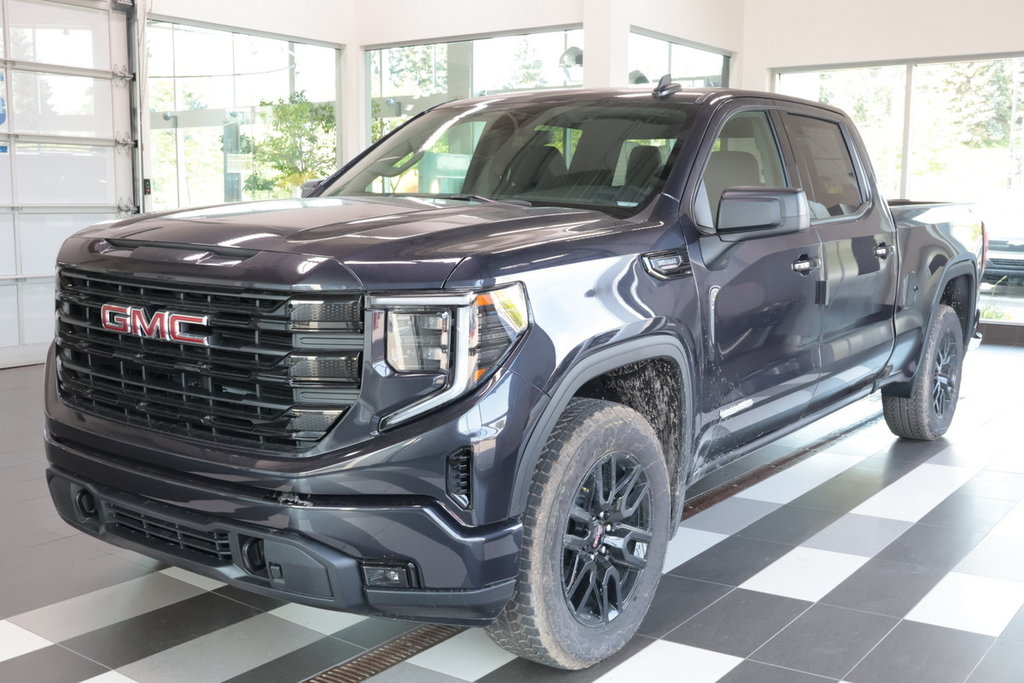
(744, 153)
(830, 180)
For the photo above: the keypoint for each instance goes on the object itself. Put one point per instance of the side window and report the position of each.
(744, 153)
(829, 178)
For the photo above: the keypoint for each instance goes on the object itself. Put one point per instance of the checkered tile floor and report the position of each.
(872, 560)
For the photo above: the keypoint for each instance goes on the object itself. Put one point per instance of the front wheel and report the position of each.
(594, 537)
(926, 414)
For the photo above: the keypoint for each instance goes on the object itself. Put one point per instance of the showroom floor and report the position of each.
(871, 560)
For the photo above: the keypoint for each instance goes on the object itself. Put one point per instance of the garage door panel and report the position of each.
(55, 104)
(66, 149)
(41, 235)
(63, 35)
(51, 173)
(8, 265)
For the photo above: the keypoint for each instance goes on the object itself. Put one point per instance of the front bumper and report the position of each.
(312, 554)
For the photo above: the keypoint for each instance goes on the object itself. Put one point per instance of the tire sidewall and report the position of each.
(946, 322)
(609, 429)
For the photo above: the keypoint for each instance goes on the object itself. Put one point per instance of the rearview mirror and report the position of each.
(762, 211)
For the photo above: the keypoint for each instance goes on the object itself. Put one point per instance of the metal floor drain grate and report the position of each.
(387, 655)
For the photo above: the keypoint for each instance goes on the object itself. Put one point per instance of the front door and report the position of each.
(760, 313)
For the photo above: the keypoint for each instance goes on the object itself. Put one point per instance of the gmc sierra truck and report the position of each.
(470, 378)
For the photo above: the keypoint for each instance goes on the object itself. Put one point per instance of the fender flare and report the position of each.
(963, 266)
(593, 365)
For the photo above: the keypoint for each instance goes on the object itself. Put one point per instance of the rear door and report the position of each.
(860, 269)
(761, 318)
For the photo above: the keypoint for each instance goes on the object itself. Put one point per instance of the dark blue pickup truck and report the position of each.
(470, 379)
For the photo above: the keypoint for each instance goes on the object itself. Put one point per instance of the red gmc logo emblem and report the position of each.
(162, 325)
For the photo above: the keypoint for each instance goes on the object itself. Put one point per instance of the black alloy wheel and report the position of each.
(607, 537)
(947, 370)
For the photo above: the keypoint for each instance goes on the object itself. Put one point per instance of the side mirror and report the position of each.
(309, 186)
(750, 212)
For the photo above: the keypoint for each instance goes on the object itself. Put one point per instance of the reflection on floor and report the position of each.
(872, 560)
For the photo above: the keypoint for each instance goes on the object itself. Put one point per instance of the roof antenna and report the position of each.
(666, 87)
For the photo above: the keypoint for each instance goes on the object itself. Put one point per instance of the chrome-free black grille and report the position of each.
(237, 390)
(155, 532)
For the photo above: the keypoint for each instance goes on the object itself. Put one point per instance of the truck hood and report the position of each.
(415, 240)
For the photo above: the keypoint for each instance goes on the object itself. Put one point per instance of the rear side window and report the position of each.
(827, 169)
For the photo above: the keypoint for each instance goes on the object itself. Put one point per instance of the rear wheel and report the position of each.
(594, 538)
(926, 414)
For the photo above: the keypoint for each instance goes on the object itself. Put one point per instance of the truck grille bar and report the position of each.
(237, 390)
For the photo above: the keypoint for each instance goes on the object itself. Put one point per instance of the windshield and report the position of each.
(612, 154)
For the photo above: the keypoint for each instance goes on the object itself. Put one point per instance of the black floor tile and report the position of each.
(889, 469)
(303, 663)
(931, 546)
(139, 637)
(732, 561)
(739, 623)
(676, 600)
(1015, 629)
(260, 602)
(1004, 663)
(884, 587)
(825, 640)
(915, 451)
(844, 492)
(922, 652)
(519, 670)
(790, 524)
(756, 672)
(996, 484)
(52, 664)
(963, 510)
(373, 632)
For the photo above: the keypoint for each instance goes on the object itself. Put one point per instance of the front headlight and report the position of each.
(460, 338)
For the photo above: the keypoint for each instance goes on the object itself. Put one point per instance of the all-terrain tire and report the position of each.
(602, 461)
(925, 415)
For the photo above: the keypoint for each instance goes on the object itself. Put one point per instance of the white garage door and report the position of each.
(65, 149)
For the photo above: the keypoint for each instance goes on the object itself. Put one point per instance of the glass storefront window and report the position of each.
(965, 142)
(235, 116)
(651, 58)
(407, 80)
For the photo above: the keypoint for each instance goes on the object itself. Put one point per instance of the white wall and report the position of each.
(714, 23)
(396, 22)
(315, 20)
(787, 33)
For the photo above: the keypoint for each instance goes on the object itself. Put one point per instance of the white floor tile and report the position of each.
(664, 660)
(1008, 462)
(801, 478)
(970, 603)
(1012, 525)
(469, 656)
(688, 543)
(195, 579)
(805, 573)
(16, 641)
(323, 620)
(92, 611)
(110, 677)
(997, 557)
(915, 494)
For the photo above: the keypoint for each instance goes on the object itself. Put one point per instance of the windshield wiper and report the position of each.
(486, 200)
